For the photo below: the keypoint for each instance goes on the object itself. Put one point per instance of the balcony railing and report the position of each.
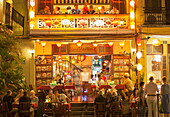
(157, 16)
(80, 22)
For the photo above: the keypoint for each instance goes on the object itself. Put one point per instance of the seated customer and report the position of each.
(57, 10)
(20, 94)
(34, 99)
(45, 11)
(76, 10)
(100, 98)
(25, 98)
(8, 99)
(91, 10)
(114, 11)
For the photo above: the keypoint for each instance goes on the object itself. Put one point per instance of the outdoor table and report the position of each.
(105, 87)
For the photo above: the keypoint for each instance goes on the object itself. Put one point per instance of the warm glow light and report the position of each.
(132, 15)
(79, 43)
(122, 43)
(32, 14)
(31, 51)
(99, 56)
(58, 44)
(99, 22)
(59, 56)
(139, 67)
(156, 42)
(132, 3)
(157, 58)
(139, 54)
(66, 22)
(32, 3)
(95, 44)
(43, 43)
(110, 43)
(132, 26)
(99, 8)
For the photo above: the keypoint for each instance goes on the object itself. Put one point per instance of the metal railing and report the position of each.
(157, 16)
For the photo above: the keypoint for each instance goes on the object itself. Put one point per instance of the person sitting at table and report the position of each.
(57, 10)
(76, 10)
(128, 85)
(68, 10)
(45, 11)
(34, 99)
(20, 94)
(85, 8)
(8, 99)
(25, 98)
(64, 99)
(91, 10)
(50, 97)
(103, 10)
(100, 81)
(41, 95)
(114, 11)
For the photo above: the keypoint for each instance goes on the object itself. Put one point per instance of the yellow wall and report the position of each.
(47, 50)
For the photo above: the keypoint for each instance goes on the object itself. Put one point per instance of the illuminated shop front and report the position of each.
(73, 41)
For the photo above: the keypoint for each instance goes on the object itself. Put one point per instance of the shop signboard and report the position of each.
(85, 48)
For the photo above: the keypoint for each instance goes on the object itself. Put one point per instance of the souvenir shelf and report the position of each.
(120, 65)
(44, 70)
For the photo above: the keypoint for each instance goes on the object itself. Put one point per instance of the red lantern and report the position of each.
(48, 22)
(138, 41)
(81, 58)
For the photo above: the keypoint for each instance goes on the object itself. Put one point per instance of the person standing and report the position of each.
(142, 100)
(8, 99)
(151, 89)
(165, 92)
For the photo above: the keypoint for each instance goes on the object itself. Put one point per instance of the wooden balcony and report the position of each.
(81, 24)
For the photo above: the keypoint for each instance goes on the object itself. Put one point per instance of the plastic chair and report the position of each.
(24, 109)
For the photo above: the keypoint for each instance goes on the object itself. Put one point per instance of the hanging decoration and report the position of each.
(81, 58)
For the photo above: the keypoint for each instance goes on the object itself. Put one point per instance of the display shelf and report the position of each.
(120, 65)
(44, 69)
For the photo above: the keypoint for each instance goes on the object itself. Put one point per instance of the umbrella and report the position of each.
(44, 87)
(58, 87)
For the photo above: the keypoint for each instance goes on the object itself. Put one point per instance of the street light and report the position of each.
(139, 68)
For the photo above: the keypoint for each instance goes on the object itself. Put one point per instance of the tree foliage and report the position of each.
(11, 72)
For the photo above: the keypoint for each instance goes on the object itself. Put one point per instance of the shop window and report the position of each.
(150, 49)
(153, 6)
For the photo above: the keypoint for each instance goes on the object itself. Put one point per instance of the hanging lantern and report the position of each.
(79, 43)
(81, 58)
(110, 44)
(65, 22)
(99, 56)
(139, 67)
(95, 44)
(132, 3)
(138, 41)
(82, 22)
(59, 44)
(48, 22)
(99, 22)
(156, 42)
(139, 54)
(32, 3)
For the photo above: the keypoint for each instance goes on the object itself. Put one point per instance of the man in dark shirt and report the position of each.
(25, 98)
(100, 98)
(8, 99)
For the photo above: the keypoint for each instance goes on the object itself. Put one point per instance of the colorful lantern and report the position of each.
(81, 58)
